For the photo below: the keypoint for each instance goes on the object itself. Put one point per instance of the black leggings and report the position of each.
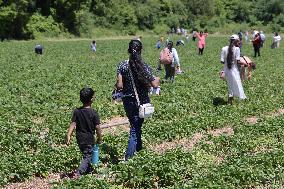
(200, 51)
(170, 72)
(256, 50)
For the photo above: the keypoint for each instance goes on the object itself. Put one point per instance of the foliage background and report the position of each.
(25, 19)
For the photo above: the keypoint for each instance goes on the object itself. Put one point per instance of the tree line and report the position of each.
(26, 19)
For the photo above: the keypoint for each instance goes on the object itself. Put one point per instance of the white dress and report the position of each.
(232, 75)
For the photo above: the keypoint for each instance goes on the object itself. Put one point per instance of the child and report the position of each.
(86, 121)
(94, 46)
(158, 44)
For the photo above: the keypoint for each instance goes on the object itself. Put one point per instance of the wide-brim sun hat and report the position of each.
(234, 37)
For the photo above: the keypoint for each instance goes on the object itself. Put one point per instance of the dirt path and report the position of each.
(187, 144)
(36, 183)
(254, 119)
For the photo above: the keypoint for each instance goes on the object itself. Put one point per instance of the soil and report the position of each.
(36, 182)
(116, 125)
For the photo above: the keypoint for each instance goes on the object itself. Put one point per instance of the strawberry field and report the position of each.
(194, 140)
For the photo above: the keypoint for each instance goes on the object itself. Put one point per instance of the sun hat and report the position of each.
(234, 37)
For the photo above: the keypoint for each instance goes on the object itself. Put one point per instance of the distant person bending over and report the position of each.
(179, 42)
(135, 70)
(246, 62)
(276, 41)
(94, 46)
(86, 121)
(38, 49)
(201, 42)
(230, 56)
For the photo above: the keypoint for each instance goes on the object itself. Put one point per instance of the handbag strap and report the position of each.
(244, 59)
(133, 84)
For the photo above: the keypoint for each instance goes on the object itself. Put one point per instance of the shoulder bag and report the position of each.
(145, 110)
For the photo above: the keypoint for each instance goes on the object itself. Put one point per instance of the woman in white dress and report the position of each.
(230, 56)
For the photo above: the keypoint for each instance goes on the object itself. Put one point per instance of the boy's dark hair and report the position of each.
(86, 95)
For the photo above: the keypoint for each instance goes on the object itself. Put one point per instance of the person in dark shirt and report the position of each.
(256, 42)
(143, 80)
(38, 49)
(86, 121)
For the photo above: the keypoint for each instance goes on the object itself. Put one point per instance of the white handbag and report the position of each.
(145, 110)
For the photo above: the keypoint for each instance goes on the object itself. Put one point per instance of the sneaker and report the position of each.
(178, 72)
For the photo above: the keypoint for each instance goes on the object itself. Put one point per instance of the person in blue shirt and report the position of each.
(158, 44)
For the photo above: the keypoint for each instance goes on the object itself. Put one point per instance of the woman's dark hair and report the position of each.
(137, 64)
(86, 95)
(230, 54)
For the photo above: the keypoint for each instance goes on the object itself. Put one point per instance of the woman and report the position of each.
(170, 68)
(135, 70)
(256, 42)
(230, 57)
(276, 41)
(201, 42)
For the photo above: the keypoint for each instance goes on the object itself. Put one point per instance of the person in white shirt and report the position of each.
(262, 37)
(170, 68)
(276, 41)
(230, 56)
(254, 32)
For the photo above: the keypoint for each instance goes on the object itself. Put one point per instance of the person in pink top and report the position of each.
(201, 42)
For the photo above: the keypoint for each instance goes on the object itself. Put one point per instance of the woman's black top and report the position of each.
(143, 92)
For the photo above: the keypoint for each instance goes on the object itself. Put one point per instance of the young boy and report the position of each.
(86, 121)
